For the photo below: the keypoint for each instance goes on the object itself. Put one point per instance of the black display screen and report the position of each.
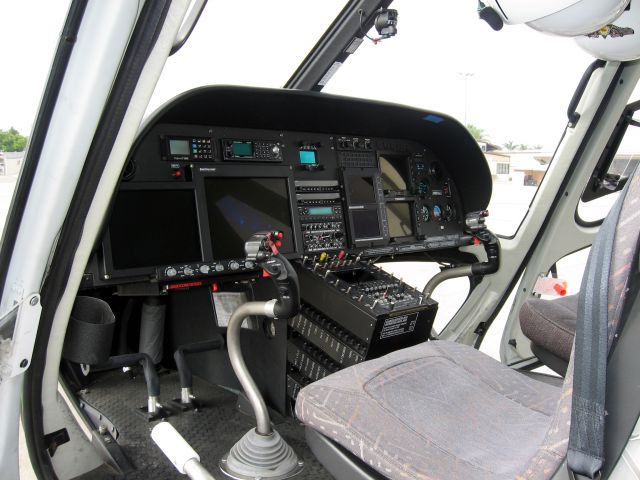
(154, 227)
(399, 218)
(240, 207)
(365, 224)
(361, 190)
(395, 172)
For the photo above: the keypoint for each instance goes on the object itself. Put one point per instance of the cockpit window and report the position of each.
(616, 165)
(262, 49)
(510, 87)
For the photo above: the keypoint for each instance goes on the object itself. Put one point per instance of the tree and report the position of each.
(476, 132)
(12, 141)
(510, 145)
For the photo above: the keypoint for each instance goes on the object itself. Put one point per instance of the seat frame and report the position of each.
(338, 461)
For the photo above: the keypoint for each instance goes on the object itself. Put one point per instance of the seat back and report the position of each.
(613, 257)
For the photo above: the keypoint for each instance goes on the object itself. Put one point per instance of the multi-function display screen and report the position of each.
(394, 170)
(399, 219)
(361, 190)
(366, 225)
(240, 207)
(154, 227)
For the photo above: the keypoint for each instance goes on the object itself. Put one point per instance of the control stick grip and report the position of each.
(285, 278)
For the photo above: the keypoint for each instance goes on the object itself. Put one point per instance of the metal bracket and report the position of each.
(54, 439)
(16, 347)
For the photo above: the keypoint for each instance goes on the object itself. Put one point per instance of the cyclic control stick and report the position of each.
(262, 452)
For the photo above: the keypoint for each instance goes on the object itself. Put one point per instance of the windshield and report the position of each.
(511, 88)
(253, 43)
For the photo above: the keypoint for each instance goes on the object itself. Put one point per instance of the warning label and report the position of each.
(398, 325)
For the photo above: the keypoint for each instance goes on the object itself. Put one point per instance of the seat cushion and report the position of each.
(439, 410)
(551, 324)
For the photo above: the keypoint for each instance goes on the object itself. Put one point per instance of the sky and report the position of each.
(520, 84)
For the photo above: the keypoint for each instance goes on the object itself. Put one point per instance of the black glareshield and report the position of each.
(284, 276)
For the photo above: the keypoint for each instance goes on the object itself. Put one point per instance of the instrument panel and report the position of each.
(192, 193)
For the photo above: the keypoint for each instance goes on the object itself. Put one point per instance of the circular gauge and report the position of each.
(449, 213)
(435, 169)
(423, 187)
(426, 213)
(436, 212)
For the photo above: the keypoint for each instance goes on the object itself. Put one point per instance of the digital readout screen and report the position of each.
(399, 218)
(179, 147)
(242, 149)
(366, 224)
(395, 172)
(307, 157)
(361, 190)
(320, 211)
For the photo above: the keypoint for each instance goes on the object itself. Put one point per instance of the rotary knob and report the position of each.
(234, 265)
(204, 269)
(249, 264)
(170, 272)
(219, 268)
(188, 271)
(275, 150)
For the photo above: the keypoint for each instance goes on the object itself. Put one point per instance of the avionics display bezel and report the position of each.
(109, 265)
(200, 176)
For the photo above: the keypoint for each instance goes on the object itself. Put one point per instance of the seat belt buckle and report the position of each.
(578, 476)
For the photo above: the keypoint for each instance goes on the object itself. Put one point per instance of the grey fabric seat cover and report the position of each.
(396, 414)
(551, 324)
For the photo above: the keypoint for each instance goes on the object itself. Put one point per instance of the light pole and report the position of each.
(466, 76)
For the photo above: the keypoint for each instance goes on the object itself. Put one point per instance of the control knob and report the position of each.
(188, 271)
(234, 265)
(204, 269)
(171, 272)
(449, 213)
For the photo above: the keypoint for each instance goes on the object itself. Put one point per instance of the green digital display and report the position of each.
(320, 211)
(242, 149)
(178, 147)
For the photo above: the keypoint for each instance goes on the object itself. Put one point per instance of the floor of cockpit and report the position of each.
(211, 431)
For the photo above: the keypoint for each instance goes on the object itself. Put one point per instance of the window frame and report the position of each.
(593, 190)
